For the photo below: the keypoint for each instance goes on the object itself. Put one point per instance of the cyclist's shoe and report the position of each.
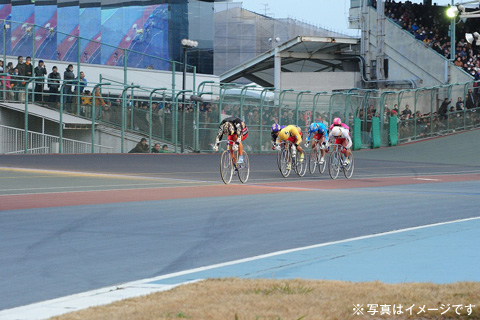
(302, 157)
(346, 162)
(322, 160)
(240, 160)
(288, 166)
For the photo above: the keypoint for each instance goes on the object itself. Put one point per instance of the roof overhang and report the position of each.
(300, 54)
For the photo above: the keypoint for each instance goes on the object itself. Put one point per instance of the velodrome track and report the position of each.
(73, 223)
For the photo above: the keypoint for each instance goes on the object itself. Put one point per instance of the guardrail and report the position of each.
(13, 141)
(191, 124)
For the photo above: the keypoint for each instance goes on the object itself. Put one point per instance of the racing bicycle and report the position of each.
(289, 158)
(314, 158)
(229, 166)
(336, 162)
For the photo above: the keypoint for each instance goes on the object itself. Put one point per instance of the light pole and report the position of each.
(452, 13)
(186, 44)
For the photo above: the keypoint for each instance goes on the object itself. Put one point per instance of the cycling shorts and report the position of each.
(293, 139)
(234, 138)
(318, 136)
(341, 141)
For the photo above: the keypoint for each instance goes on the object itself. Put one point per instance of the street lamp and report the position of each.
(186, 44)
(452, 13)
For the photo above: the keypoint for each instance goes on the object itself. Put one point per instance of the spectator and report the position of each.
(101, 107)
(407, 113)
(28, 68)
(8, 85)
(156, 148)
(19, 80)
(1, 65)
(459, 102)
(54, 85)
(67, 89)
(471, 99)
(442, 111)
(164, 149)
(82, 83)
(141, 147)
(40, 71)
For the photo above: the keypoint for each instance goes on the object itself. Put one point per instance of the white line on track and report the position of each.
(75, 302)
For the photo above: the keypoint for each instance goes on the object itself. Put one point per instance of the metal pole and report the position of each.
(26, 110)
(151, 116)
(123, 114)
(93, 112)
(184, 83)
(5, 44)
(452, 37)
(176, 117)
(299, 100)
(79, 56)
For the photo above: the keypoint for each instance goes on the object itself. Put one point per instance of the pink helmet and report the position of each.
(337, 122)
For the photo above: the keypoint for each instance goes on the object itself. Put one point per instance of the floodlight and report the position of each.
(189, 43)
(473, 38)
(452, 12)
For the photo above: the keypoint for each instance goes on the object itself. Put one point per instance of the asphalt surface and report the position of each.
(47, 253)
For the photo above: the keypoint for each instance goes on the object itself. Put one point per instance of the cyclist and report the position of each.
(275, 128)
(342, 137)
(338, 123)
(236, 131)
(290, 133)
(320, 133)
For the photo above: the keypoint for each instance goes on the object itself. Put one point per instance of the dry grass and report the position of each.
(225, 299)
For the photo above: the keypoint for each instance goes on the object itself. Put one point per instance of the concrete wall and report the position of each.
(320, 81)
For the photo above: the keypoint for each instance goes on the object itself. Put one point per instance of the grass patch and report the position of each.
(245, 299)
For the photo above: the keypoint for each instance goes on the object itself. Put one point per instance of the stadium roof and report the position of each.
(300, 54)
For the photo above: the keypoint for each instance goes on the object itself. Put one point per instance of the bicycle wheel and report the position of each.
(348, 170)
(301, 165)
(285, 165)
(334, 165)
(226, 167)
(312, 161)
(321, 166)
(244, 168)
(279, 159)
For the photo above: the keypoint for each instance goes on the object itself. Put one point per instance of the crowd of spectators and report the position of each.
(14, 79)
(430, 24)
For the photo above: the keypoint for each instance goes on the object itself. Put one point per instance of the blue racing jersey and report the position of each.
(322, 130)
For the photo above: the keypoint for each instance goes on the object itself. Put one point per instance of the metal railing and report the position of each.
(191, 124)
(13, 141)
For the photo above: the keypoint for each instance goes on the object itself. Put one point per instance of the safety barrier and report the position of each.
(188, 120)
(12, 142)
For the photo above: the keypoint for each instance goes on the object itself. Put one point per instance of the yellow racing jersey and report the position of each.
(288, 132)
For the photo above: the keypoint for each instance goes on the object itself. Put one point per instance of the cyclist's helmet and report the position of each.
(337, 122)
(228, 129)
(314, 127)
(336, 132)
(276, 127)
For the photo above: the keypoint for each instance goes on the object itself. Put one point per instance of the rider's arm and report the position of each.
(297, 135)
(349, 141)
(309, 135)
(219, 136)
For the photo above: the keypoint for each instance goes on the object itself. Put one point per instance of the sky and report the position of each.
(328, 14)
